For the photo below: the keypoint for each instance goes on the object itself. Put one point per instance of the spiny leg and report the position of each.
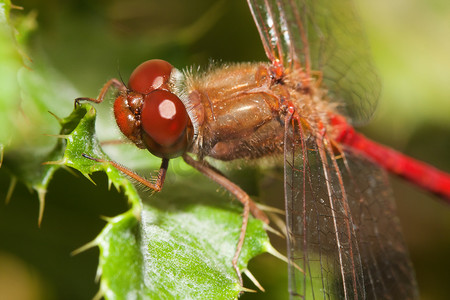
(215, 175)
(112, 82)
(249, 205)
(157, 186)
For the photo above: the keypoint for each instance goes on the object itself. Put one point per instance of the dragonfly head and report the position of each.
(150, 115)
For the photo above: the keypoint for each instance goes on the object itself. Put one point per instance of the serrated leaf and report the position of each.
(24, 147)
(163, 257)
(82, 140)
(179, 246)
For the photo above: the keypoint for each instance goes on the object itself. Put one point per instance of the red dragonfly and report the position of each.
(344, 239)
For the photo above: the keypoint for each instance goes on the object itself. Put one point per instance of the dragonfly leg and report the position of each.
(115, 142)
(240, 243)
(112, 82)
(156, 186)
(215, 175)
(241, 195)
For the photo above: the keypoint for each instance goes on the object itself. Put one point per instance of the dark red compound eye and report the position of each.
(150, 75)
(164, 121)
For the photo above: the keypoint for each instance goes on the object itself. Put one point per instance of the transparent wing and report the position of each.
(324, 36)
(344, 234)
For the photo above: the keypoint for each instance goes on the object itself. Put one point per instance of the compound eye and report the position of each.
(164, 121)
(150, 75)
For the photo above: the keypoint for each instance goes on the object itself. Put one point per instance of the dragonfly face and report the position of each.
(150, 115)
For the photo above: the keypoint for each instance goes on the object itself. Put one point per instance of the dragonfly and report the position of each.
(344, 239)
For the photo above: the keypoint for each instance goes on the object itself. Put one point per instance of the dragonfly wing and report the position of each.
(343, 230)
(324, 36)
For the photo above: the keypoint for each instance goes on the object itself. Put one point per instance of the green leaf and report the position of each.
(178, 246)
(182, 253)
(81, 139)
(23, 145)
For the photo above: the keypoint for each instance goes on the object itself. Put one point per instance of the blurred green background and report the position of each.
(82, 44)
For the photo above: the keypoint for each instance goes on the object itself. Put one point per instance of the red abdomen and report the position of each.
(418, 173)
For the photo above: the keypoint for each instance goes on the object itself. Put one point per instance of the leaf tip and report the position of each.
(279, 223)
(11, 188)
(99, 295)
(85, 247)
(273, 230)
(110, 182)
(271, 250)
(1, 155)
(56, 117)
(247, 290)
(41, 194)
(254, 280)
(88, 177)
(59, 136)
(60, 162)
(13, 6)
(106, 219)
